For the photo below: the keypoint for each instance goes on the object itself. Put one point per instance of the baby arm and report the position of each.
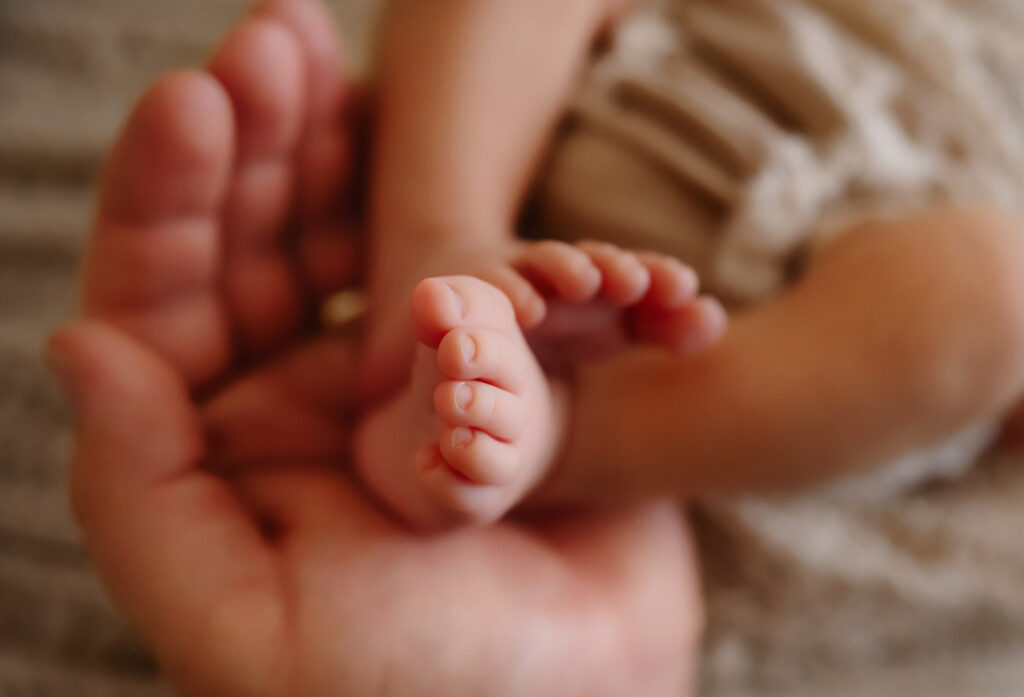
(900, 334)
(469, 91)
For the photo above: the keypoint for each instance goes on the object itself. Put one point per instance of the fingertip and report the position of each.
(71, 354)
(316, 31)
(190, 111)
(173, 156)
(59, 354)
(311, 22)
(104, 369)
(260, 65)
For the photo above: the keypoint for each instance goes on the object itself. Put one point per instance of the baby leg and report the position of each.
(900, 334)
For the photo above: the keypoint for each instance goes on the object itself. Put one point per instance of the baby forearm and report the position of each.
(469, 91)
(902, 334)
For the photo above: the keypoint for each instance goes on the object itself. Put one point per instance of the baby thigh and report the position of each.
(942, 296)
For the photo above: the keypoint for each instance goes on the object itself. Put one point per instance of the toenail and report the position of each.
(468, 347)
(457, 299)
(463, 396)
(461, 437)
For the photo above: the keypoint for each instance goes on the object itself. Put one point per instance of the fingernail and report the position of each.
(461, 437)
(468, 348)
(463, 396)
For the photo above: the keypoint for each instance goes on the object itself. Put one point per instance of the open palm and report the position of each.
(209, 471)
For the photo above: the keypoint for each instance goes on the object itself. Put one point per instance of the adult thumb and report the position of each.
(129, 406)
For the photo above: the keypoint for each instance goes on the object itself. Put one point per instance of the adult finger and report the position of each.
(153, 259)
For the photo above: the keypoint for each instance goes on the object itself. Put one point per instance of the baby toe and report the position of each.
(625, 279)
(444, 303)
(527, 302)
(485, 355)
(451, 498)
(480, 406)
(673, 283)
(459, 502)
(689, 329)
(479, 457)
(562, 269)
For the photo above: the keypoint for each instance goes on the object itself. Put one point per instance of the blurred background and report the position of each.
(806, 599)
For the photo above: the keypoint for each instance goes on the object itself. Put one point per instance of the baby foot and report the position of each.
(479, 423)
(599, 298)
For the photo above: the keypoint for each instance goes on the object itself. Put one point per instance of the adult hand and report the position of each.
(251, 573)
(212, 431)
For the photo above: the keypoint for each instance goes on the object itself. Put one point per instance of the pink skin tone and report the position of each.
(480, 424)
(210, 425)
(592, 298)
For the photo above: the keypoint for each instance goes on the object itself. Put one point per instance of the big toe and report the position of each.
(442, 304)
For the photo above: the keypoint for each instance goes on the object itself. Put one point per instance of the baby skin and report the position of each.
(484, 415)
